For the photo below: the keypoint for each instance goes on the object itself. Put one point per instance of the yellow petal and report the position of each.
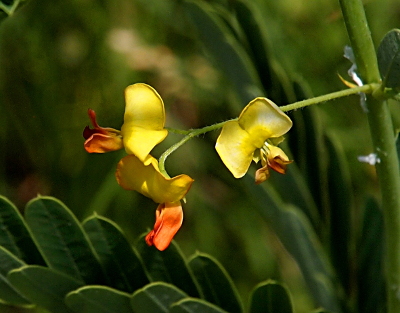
(144, 111)
(169, 217)
(235, 148)
(132, 174)
(263, 119)
(144, 107)
(347, 83)
(141, 141)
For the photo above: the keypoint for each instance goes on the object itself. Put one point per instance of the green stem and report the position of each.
(331, 96)
(383, 139)
(189, 134)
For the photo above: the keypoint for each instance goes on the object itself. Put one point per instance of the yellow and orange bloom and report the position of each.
(132, 174)
(143, 126)
(259, 127)
(142, 130)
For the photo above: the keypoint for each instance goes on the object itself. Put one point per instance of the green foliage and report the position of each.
(43, 286)
(193, 306)
(62, 241)
(93, 299)
(68, 287)
(389, 59)
(7, 291)
(156, 297)
(169, 266)
(225, 48)
(215, 283)
(15, 236)
(121, 263)
(8, 7)
(299, 238)
(370, 274)
(270, 297)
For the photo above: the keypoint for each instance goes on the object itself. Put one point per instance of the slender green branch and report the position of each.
(383, 139)
(189, 134)
(331, 96)
(178, 131)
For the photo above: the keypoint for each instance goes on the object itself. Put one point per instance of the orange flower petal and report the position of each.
(262, 174)
(277, 159)
(100, 143)
(169, 217)
(101, 139)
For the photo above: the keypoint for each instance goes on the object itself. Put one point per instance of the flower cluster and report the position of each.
(142, 130)
(251, 137)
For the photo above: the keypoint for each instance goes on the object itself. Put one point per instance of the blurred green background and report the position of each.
(59, 58)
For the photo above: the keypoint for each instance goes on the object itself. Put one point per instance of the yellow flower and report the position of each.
(132, 174)
(259, 126)
(142, 130)
(143, 126)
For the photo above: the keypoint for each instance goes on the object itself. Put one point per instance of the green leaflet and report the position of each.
(156, 298)
(341, 206)
(7, 8)
(270, 297)
(194, 306)
(370, 251)
(273, 78)
(120, 261)
(251, 23)
(389, 59)
(307, 139)
(62, 241)
(225, 50)
(169, 266)
(44, 286)
(15, 236)
(98, 299)
(298, 237)
(8, 294)
(215, 283)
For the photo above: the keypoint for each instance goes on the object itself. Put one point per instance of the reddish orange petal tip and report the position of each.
(169, 217)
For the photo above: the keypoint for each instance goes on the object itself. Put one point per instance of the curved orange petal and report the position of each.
(100, 143)
(101, 139)
(277, 159)
(169, 217)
